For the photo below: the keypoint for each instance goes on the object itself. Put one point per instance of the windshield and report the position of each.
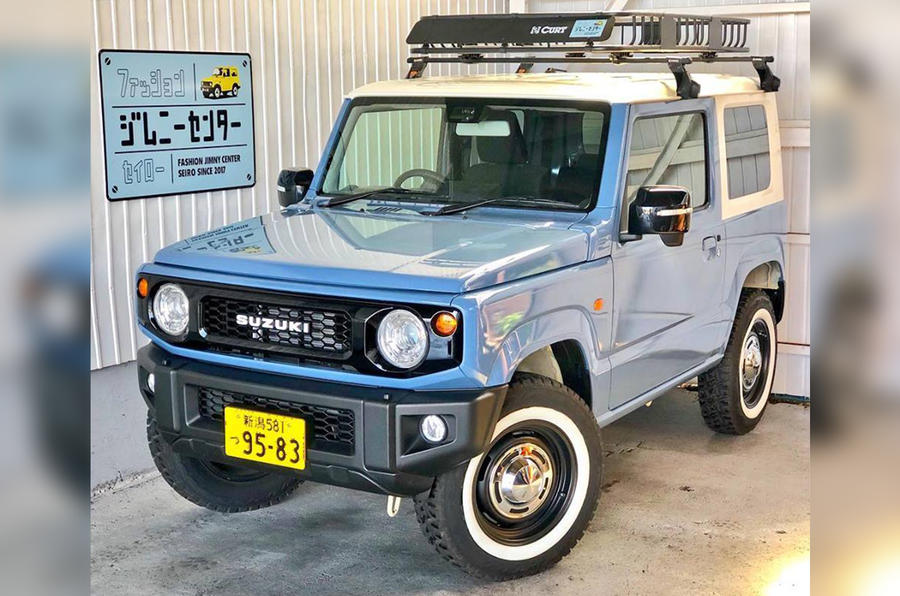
(217, 72)
(545, 154)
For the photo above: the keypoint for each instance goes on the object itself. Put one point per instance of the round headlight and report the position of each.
(170, 309)
(403, 339)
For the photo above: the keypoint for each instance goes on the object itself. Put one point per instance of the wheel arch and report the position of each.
(761, 266)
(556, 345)
(768, 277)
(563, 361)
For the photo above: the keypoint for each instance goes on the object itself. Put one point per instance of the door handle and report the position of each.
(711, 246)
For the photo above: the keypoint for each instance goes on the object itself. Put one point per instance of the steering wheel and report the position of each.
(431, 177)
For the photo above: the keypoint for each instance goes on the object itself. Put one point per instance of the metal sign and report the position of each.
(176, 122)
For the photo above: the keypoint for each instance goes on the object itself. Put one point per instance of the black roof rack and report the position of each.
(587, 38)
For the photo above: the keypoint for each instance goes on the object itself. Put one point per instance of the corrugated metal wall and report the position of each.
(306, 55)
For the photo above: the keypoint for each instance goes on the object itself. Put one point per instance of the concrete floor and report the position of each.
(682, 511)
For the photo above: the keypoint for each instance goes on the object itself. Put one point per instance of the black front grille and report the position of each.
(323, 331)
(330, 429)
(277, 327)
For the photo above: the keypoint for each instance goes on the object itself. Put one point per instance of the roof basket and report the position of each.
(587, 38)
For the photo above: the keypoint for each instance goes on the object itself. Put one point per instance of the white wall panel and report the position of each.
(792, 372)
(306, 55)
(796, 187)
(794, 326)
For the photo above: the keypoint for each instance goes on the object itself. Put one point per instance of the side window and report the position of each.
(667, 150)
(747, 150)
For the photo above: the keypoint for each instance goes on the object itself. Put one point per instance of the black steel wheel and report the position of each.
(524, 483)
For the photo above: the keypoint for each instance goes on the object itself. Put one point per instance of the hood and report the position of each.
(394, 250)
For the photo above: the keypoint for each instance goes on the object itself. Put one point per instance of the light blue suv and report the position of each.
(481, 273)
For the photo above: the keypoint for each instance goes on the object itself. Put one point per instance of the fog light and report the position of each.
(151, 382)
(433, 428)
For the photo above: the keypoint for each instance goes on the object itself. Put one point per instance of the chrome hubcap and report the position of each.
(520, 480)
(751, 362)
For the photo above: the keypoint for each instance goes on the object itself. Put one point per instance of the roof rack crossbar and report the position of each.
(672, 39)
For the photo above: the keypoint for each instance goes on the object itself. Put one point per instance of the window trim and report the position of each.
(707, 157)
(775, 192)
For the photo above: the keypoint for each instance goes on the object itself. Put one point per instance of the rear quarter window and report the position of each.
(747, 150)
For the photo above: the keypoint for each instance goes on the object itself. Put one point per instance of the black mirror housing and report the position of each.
(293, 184)
(661, 210)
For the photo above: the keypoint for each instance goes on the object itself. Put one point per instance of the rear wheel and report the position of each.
(734, 394)
(234, 90)
(520, 507)
(220, 487)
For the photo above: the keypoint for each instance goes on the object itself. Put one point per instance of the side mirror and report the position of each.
(293, 185)
(662, 210)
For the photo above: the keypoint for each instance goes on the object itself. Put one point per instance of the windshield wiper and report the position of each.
(450, 209)
(342, 200)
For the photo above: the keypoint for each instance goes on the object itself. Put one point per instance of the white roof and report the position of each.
(612, 87)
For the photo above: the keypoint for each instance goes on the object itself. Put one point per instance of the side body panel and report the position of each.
(505, 324)
(755, 224)
(669, 314)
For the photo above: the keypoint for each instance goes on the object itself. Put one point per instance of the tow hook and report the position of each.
(393, 505)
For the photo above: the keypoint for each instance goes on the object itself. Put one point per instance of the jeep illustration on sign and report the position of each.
(224, 80)
(482, 273)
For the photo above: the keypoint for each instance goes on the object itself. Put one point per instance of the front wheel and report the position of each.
(520, 507)
(220, 487)
(734, 394)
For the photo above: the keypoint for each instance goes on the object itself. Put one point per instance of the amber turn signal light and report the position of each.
(444, 324)
(143, 287)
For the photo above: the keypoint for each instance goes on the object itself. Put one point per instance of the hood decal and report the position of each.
(246, 237)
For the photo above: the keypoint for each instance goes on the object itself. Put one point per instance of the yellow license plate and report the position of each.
(264, 437)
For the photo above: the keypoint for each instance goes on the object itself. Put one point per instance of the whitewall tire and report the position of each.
(733, 395)
(521, 506)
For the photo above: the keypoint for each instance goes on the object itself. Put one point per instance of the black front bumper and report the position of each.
(383, 453)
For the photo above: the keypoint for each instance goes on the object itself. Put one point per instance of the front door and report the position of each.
(668, 306)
